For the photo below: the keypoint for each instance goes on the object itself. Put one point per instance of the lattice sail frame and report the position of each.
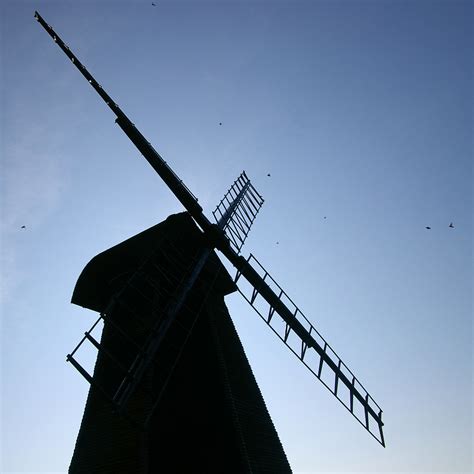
(239, 207)
(329, 369)
(142, 284)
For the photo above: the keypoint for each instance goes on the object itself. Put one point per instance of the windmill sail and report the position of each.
(228, 236)
(238, 207)
(311, 349)
(171, 179)
(137, 318)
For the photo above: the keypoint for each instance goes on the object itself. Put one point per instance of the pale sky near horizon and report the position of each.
(361, 111)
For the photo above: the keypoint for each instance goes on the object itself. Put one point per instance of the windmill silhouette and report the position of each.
(160, 298)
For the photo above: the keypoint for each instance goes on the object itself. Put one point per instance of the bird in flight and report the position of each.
(451, 225)
(268, 174)
(325, 217)
(429, 228)
(153, 4)
(220, 123)
(23, 227)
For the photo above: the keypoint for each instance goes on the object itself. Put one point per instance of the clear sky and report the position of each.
(361, 111)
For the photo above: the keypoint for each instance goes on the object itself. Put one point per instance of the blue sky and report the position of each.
(361, 111)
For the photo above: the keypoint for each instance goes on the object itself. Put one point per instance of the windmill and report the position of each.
(187, 277)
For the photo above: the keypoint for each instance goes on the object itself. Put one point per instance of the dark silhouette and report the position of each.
(209, 388)
(268, 175)
(429, 228)
(220, 123)
(169, 358)
(23, 227)
(324, 217)
(451, 225)
(153, 4)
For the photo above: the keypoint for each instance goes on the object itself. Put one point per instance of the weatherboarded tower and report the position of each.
(210, 416)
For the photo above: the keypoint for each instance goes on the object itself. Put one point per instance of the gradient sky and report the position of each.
(361, 111)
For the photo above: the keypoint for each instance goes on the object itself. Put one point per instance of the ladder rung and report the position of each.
(79, 368)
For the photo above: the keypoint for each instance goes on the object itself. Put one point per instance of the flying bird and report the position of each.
(220, 123)
(429, 228)
(153, 4)
(451, 225)
(268, 174)
(325, 217)
(23, 227)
